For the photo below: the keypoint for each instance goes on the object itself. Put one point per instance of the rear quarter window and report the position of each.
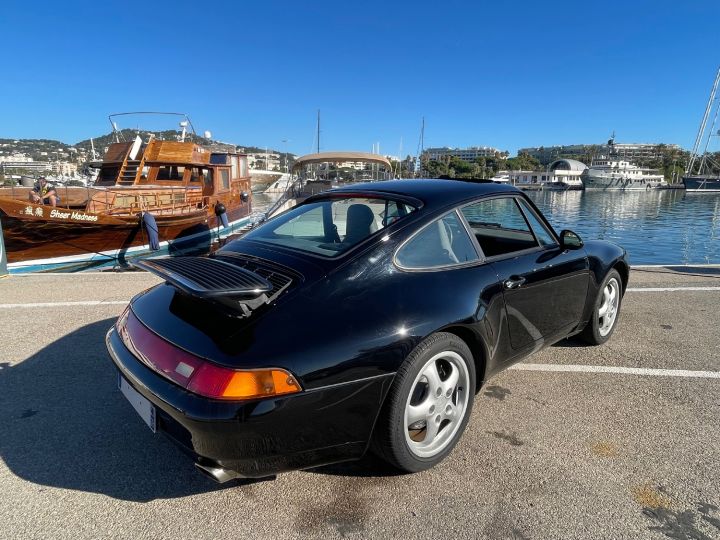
(444, 242)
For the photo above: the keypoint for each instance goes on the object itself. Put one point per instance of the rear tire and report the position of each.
(428, 405)
(606, 310)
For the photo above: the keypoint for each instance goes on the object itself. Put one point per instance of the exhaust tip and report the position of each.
(218, 474)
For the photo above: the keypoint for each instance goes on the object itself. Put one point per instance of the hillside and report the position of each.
(80, 152)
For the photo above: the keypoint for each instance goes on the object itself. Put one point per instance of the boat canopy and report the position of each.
(341, 157)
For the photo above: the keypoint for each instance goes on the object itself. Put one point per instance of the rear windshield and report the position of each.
(332, 226)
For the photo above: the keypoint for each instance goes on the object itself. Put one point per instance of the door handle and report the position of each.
(513, 282)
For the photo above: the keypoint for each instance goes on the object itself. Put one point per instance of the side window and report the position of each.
(443, 242)
(170, 172)
(499, 226)
(538, 227)
(225, 178)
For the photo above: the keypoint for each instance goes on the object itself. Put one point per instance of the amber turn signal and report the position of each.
(261, 383)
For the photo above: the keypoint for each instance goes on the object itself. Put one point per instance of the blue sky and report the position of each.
(503, 74)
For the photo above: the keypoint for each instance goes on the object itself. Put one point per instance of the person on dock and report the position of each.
(43, 193)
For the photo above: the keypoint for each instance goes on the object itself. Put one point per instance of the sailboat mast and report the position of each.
(422, 146)
(703, 125)
(318, 131)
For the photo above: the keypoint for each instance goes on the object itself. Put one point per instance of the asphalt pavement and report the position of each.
(560, 451)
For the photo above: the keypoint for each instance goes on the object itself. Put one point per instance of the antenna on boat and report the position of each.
(183, 125)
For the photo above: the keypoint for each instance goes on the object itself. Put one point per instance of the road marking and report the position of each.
(650, 372)
(670, 289)
(66, 304)
(671, 265)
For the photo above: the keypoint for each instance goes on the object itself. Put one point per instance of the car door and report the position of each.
(544, 287)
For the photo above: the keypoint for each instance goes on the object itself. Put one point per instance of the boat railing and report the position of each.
(294, 191)
(166, 201)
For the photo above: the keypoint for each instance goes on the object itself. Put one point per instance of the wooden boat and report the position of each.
(183, 185)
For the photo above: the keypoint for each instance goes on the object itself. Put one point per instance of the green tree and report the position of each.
(523, 162)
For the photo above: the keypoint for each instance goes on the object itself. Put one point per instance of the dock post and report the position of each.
(3, 256)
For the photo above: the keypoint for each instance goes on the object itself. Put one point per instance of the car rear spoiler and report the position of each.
(211, 279)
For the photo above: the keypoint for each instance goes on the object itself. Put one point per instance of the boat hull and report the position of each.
(39, 237)
(594, 181)
(701, 184)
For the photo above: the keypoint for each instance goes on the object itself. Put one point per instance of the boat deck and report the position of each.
(617, 441)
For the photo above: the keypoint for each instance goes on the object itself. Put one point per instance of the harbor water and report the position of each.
(656, 227)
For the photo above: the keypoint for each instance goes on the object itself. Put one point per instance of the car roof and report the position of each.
(433, 192)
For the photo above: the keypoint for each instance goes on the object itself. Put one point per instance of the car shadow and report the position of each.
(370, 466)
(571, 342)
(65, 424)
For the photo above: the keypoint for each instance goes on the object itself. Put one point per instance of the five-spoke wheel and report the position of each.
(606, 310)
(436, 404)
(429, 404)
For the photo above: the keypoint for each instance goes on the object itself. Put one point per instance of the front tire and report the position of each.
(606, 310)
(428, 405)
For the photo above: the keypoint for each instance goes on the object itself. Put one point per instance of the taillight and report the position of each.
(197, 375)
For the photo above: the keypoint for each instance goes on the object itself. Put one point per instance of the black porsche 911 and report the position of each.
(366, 317)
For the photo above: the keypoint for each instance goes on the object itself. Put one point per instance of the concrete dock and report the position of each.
(616, 441)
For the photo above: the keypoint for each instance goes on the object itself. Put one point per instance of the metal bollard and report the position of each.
(3, 256)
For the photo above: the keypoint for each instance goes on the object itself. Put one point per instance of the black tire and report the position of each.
(389, 438)
(592, 333)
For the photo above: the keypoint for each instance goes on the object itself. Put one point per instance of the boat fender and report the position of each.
(148, 220)
(221, 213)
(244, 196)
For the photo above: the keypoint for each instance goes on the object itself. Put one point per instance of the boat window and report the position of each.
(199, 174)
(108, 175)
(542, 234)
(225, 178)
(170, 172)
(331, 226)
(499, 226)
(444, 242)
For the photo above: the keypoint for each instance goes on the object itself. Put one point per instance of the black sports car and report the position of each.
(366, 317)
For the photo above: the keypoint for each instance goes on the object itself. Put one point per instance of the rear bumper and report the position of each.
(259, 438)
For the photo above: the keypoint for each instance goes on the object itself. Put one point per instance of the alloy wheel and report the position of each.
(437, 404)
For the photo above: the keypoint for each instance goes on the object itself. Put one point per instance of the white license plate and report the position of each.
(144, 408)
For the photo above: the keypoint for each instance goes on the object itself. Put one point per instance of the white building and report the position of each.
(264, 161)
(16, 158)
(466, 154)
(560, 174)
(626, 151)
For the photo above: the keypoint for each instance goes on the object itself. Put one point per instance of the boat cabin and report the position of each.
(168, 176)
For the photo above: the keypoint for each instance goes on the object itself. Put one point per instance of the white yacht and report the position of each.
(613, 174)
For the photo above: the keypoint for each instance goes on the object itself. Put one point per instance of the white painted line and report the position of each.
(577, 368)
(670, 289)
(66, 304)
(703, 265)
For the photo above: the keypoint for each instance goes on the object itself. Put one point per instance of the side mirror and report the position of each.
(570, 240)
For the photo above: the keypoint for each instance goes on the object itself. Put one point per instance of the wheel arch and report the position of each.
(477, 348)
(624, 270)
